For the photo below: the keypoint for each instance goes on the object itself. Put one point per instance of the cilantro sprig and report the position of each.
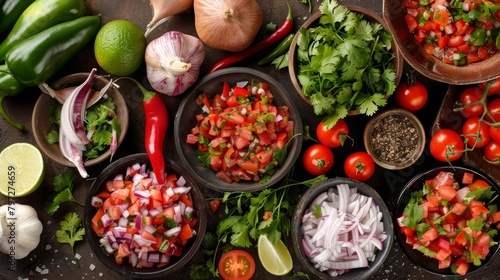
(345, 63)
(71, 231)
(63, 188)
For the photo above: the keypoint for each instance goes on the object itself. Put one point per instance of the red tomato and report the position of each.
(318, 159)
(214, 205)
(473, 128)
(236, 265)
(446, 145)
(495, 133)
(359, 166)
(492, 153)
(493, 108)
(333, 137)
(411, 95)
(467, 97)
(494, 87)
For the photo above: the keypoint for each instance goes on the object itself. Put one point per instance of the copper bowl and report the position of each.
(429, 65)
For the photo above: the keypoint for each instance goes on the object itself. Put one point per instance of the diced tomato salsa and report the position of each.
(241, 134)
(451, 222)
(456, 32)
(143, 222)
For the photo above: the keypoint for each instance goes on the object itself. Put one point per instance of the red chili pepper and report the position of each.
(272, 39)
(156, 116)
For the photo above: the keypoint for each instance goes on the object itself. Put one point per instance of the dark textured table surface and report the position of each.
(51, 260)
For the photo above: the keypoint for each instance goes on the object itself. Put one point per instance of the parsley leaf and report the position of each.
(71, 231)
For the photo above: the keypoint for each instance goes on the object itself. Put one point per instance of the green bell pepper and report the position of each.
(39, 16)
(34, 60)
(9, 86)
(10, 12)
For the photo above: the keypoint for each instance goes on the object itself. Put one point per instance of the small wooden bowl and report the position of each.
(41, 114)
(368, 14)
(392, 140)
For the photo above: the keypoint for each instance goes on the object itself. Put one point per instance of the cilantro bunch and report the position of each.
(345, 63)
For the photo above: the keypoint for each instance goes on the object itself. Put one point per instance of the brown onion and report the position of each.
(229, 25)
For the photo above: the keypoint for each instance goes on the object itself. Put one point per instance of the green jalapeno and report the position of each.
(282, 48)
(36, 59)
(39, 16)
(478, 37)
(9, 86)
(10, 11)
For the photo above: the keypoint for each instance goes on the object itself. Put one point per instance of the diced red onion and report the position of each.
(173, 231)
(96, 201)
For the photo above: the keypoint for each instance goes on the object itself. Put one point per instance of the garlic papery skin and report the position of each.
(173, 62)
(229, 25)
(20, 230)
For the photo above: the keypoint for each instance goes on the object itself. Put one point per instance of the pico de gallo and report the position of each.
(240, 133)
(457, 32)
(143, 222)
(452, 222)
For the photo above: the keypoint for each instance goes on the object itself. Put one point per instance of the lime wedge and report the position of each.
(22, 169)
(275, 258)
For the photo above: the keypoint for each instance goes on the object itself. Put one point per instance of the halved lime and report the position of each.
(21, 169)
(275, 258)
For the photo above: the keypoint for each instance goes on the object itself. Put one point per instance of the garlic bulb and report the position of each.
(229, 25)
(173, 62)
(20, 230)
(165, 8)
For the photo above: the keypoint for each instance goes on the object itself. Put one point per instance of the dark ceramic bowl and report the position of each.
(313, 21)
(126, 270)
(392, 155)
(304, 204)
(428, 65)
(185, 120)
(416, 184)
(41, 124)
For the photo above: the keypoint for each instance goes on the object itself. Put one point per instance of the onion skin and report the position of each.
(162, 9)
(229, 25)
(173, 62)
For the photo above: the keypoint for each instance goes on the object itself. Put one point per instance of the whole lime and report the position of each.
(119, 47)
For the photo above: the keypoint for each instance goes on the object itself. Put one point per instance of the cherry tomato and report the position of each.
(493, 108)
(473, 128)
(446, 145)
(495, 133)
(318, 159)
(359, 166)
(411, 95)
(494, 87)
(492, 153)
(333, 137)
(214, 205)
(236, 265)
(468, 96)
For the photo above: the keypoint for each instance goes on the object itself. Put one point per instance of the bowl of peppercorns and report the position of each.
(395, 138)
